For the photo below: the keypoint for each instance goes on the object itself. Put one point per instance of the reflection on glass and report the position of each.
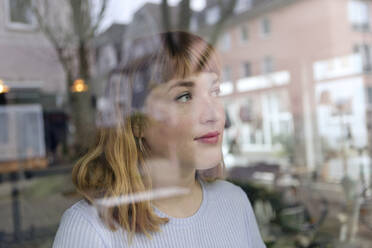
(294, 83)
(157, 159)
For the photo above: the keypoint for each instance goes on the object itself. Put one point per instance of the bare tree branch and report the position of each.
(70, 29)
(46, 29)
(101, 14)
(227, 11)
(185, 15)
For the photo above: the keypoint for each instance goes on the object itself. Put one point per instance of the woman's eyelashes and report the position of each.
(187, 96)
(184, 97)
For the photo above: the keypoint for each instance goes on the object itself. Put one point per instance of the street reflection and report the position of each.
(295, 87)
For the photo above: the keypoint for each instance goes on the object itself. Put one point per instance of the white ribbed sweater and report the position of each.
(224, 219)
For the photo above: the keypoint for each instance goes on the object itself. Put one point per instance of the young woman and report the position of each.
(165, 134)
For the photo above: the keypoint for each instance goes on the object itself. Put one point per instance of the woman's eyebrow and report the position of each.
(188, 84)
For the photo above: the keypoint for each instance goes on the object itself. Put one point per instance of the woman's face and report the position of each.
(186, 121)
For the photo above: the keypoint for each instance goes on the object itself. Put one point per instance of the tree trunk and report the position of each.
(165, 13)
(82, 107)
(185, 15)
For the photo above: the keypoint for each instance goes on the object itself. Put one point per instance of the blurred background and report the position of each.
(296, 86)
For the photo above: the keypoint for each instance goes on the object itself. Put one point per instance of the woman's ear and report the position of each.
(137, 131)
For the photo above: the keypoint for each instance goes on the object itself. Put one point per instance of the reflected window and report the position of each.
(226, 74)
(4, 132)
(244, 33)
(213, 15)
(20, 12)
(285, 127)
(246, 68)
(369, 95)
(265, 27)
(28, 126)
(268, 65)
(242, 5)
(283, 101)
(225, 42)
(194, 23)
(107, 59)
(365, 52)
(359, 15)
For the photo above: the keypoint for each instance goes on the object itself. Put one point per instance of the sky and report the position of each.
(121, 11)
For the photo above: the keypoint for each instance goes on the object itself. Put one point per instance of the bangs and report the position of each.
(191, 61)
(157, 59)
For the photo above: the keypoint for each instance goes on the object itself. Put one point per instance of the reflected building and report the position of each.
(30, 69)
(28, 63)
(295, 79)
(107, 56)
(279, 57)
(111, 54)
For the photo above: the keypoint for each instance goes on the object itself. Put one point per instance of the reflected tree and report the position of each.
(185, 14)
(70, 26)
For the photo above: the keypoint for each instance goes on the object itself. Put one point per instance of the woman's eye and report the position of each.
(184, 97)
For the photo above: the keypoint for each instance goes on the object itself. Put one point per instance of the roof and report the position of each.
(113, 34)
(155, 11)
(259, 7)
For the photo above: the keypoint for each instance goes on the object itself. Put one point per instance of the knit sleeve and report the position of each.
(252, 227)
(75, 230)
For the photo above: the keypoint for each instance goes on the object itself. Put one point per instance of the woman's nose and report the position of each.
(209, 113)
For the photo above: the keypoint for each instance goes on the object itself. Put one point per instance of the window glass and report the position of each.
(213, 15)
(122, 110)
(268, 65)
(244, 33)
(226, 75)
(265, 26)
(194, 23)
(4, 130)
(359, 14)
(247, 71)
(242, 5)
(364, 50)
(369, 95)
(20, 11)
(225, 42)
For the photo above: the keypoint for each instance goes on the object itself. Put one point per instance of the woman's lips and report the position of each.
(209, 138)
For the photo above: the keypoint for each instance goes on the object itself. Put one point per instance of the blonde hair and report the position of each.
(115, 163)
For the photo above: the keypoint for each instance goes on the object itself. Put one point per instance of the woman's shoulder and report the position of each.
(226, 188)
(81, 210)
(222, 184)
(81, 207)
(80, 224)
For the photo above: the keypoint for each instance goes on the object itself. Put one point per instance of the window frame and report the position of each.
(18, 25)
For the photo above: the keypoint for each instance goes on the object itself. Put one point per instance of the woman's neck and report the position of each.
(184, 205)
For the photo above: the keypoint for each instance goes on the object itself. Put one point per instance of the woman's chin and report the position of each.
(208, 161)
